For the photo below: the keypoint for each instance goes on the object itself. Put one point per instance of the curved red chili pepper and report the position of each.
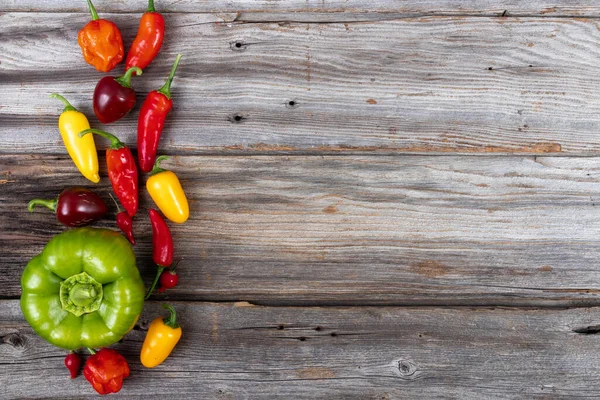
(151, 121)
(149, 39)
(162, 246)
(73, 364)
(125, 224)
(162, 242)
(122, 171)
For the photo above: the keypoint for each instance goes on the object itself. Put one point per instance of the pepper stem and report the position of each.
(151, 6)
(92, 351)
(156, 168)
(115, 143)
(159, 271)
(166, 89)
(125, 80)
(171, 320)
(51, 204)
(68, 106)
(92, 10)
(115, 201)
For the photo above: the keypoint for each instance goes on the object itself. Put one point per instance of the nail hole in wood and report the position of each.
(280, 327)
(236, 119)
(318, 329)
(302, 338)
(238, 46)
(490, 68)
(333, 334)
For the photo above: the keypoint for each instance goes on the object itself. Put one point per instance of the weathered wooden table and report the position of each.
(389, 199)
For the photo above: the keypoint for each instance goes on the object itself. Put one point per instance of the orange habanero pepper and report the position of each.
(101, 42)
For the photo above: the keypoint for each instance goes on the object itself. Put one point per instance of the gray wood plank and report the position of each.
(323, 9)
(424, 85)
(351, 230)
(234, 352)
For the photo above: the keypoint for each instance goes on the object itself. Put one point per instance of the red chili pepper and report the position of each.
(151, 121)
(149, 39)
(168, 280)
(162, 242)
(74, 206)
(114, 97)
(162, 246)
(122, 171)
(73, 364)
(124, 223)
(105, 370)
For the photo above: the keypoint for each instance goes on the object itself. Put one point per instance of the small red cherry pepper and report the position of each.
(168, 280)
(124, 223)
(74, 207)
(73, 364)
(162, 246)
(122, 170)
(149, 39)
(151, 121)
(105, 370)
(114, 97)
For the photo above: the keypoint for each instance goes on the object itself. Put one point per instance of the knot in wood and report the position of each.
(406, 368)
(15, 340)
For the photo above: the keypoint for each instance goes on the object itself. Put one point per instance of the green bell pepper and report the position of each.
(83, 290)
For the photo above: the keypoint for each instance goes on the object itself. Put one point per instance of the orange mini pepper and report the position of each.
(101, 42)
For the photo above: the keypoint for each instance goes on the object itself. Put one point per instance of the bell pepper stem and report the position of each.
(51, 204)
(68, 106)
(159, 271)
(171, 320)
(151, 6)
(92, 351)
(166, 89)
(156, 168)
(92, 10)
(125, 80)
(115, 143)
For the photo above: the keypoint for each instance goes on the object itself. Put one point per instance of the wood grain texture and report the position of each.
(233, 352)
(335, 9)
(424, 85)
(351, 230)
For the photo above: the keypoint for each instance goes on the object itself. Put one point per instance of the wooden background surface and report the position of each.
(389, 199)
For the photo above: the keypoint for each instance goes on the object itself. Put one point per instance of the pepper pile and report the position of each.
(84, 289)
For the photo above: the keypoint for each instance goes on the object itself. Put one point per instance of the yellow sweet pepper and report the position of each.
(163, 334)
(166, 191)
(82, 150)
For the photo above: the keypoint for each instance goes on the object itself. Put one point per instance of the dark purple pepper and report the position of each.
(114, 97)
(74, 206)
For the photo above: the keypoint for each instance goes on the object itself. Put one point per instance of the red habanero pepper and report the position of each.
(101, 42)
(162, 246)
(151, 121)
(149, 39)
(122, 170)
(105, 370)
(124, 222)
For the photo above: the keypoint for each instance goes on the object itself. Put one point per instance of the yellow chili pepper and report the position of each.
(81, 149)
(166, 191)
(163, 334)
